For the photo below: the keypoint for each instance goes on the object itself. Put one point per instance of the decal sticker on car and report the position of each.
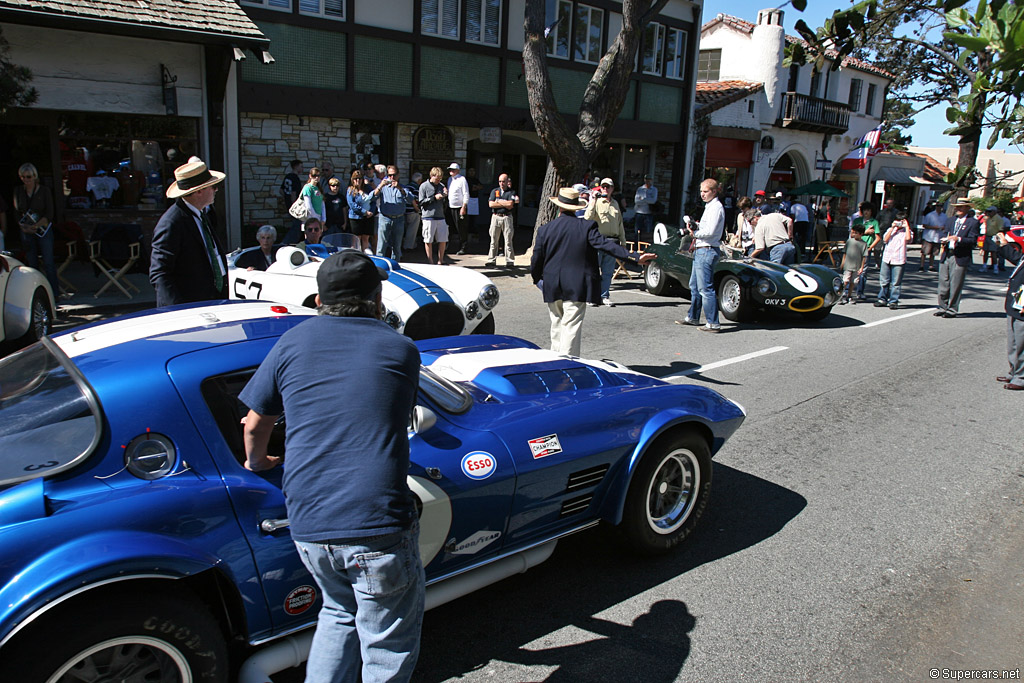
(475, 543)
(478, 465)
(299, 600)
(801, 282)
(545, 446)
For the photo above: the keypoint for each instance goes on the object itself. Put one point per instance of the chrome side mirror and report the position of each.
(423, 419)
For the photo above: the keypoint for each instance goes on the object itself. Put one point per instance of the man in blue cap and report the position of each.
(352, 515)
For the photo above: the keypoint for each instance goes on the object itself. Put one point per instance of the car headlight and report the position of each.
(765, 287)
(393, 319)
(837, 284)
(472, 310)
(489, 297)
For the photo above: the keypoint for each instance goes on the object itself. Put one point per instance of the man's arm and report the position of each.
(256, 435)
(495, 203)
(163, 259)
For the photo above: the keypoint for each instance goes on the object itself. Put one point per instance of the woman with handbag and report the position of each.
(34, 206)
(360, 212)
(313, 198)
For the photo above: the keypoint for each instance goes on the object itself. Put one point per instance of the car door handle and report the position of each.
(269, 526)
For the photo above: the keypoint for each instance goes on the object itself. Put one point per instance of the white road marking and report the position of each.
(721, 363)
(898, 317)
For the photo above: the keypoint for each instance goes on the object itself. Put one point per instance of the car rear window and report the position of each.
(49, 417)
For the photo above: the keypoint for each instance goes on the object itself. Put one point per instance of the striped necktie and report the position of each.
(211, 251)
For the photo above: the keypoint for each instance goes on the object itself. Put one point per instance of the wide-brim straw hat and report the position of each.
(192, 177)
(568, 199)
(964, 203)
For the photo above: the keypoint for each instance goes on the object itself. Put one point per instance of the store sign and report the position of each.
(879, 187)
(491, 134)
(433, 142)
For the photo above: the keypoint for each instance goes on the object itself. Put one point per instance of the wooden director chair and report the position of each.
(116, 276)
(827, 249)
(66, 287)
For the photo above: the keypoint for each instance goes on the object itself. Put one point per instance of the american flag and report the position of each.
(867, 146)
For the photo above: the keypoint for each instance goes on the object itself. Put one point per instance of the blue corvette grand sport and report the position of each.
(135, 546)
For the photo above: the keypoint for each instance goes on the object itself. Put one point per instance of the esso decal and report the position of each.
(801, 282)
(478, 465)
(299, 600)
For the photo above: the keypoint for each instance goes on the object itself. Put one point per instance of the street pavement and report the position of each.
(864, 524)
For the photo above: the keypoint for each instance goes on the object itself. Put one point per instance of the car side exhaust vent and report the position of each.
(574, 506)
(586, 478)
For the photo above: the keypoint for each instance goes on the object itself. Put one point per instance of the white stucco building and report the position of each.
(997, 169)
(781, 128)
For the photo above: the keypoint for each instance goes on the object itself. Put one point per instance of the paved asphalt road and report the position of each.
(865, 522)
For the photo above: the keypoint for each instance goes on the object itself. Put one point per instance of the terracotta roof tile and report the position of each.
(933, 170)
(222, 17)
(713, 95)
(748, 27)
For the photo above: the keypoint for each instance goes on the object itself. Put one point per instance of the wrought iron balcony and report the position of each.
(803, 112)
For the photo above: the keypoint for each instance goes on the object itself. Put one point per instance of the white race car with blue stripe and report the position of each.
(421, 301)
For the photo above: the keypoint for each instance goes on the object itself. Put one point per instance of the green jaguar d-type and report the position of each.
(745, 286)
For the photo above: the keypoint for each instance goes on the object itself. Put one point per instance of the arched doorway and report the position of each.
(789, 171)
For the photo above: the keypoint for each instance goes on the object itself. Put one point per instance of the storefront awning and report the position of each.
(893, 175)
(729, 153)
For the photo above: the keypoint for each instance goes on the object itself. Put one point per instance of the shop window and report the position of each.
(709, 65)
(675, 54)
(653, 49)
(557, 19)
(483, 21)
(440, 18)
(115, 161)
(587, 45)
(856, 85)
(285, 5)
(371, 143)
(332, 9)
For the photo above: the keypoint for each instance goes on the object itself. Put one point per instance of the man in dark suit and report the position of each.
(957, 254)
(564, 266)
(187, 263)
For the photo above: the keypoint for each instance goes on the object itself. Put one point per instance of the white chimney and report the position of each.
(768, 41)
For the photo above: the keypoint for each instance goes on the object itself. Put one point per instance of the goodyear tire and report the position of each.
(486, 325)
(148, 637)
(731, 302)
(41, 321)
(667, 494)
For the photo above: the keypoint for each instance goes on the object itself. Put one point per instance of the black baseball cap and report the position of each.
(348, 274)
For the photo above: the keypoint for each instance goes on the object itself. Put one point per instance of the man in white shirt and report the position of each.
(773, 233)
(458, 204)
(643, 219)
(801, 226)
(935, 223)
(706, 253)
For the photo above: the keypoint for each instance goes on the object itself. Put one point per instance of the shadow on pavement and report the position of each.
(589, 574)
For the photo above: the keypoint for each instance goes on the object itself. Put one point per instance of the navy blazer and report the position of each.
(179, 267)
(968, 239)
(565, 259)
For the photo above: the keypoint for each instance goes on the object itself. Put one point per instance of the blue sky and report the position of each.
(928, 127)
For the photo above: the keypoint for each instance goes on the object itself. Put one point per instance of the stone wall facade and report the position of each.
(270, 141)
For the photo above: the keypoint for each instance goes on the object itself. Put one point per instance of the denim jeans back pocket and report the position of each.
(387, 571)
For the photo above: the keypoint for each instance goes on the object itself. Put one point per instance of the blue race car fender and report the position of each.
(661, 423)
(92, 561)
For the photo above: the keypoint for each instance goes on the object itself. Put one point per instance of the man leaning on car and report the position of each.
(352, 515)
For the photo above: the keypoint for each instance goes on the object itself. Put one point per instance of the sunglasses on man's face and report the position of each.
(314, 228)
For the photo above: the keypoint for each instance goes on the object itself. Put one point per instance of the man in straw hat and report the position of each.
(564, 266)
(957, 254)
(187, 263)
(352, 515)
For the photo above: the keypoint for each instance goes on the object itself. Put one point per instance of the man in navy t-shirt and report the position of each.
(352, 514)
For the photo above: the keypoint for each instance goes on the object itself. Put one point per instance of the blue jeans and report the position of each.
(702, 285)
(784, 253)
(890, 276)
(607, 262)
(373, 591)
(390, 233)
(294, 234)
(42, 246)
(643, 223)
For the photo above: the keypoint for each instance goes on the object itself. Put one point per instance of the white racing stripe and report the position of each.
(721, 363)
(897, 317)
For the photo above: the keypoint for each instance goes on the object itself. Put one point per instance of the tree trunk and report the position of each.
(572, 151)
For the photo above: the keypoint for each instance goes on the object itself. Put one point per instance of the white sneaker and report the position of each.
(607, 301)
(592, 304)
(368, 251)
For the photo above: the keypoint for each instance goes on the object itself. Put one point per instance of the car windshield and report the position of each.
(49, 418)
(448, 395)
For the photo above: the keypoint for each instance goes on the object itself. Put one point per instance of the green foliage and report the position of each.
(15, 90)
(1001, 199)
